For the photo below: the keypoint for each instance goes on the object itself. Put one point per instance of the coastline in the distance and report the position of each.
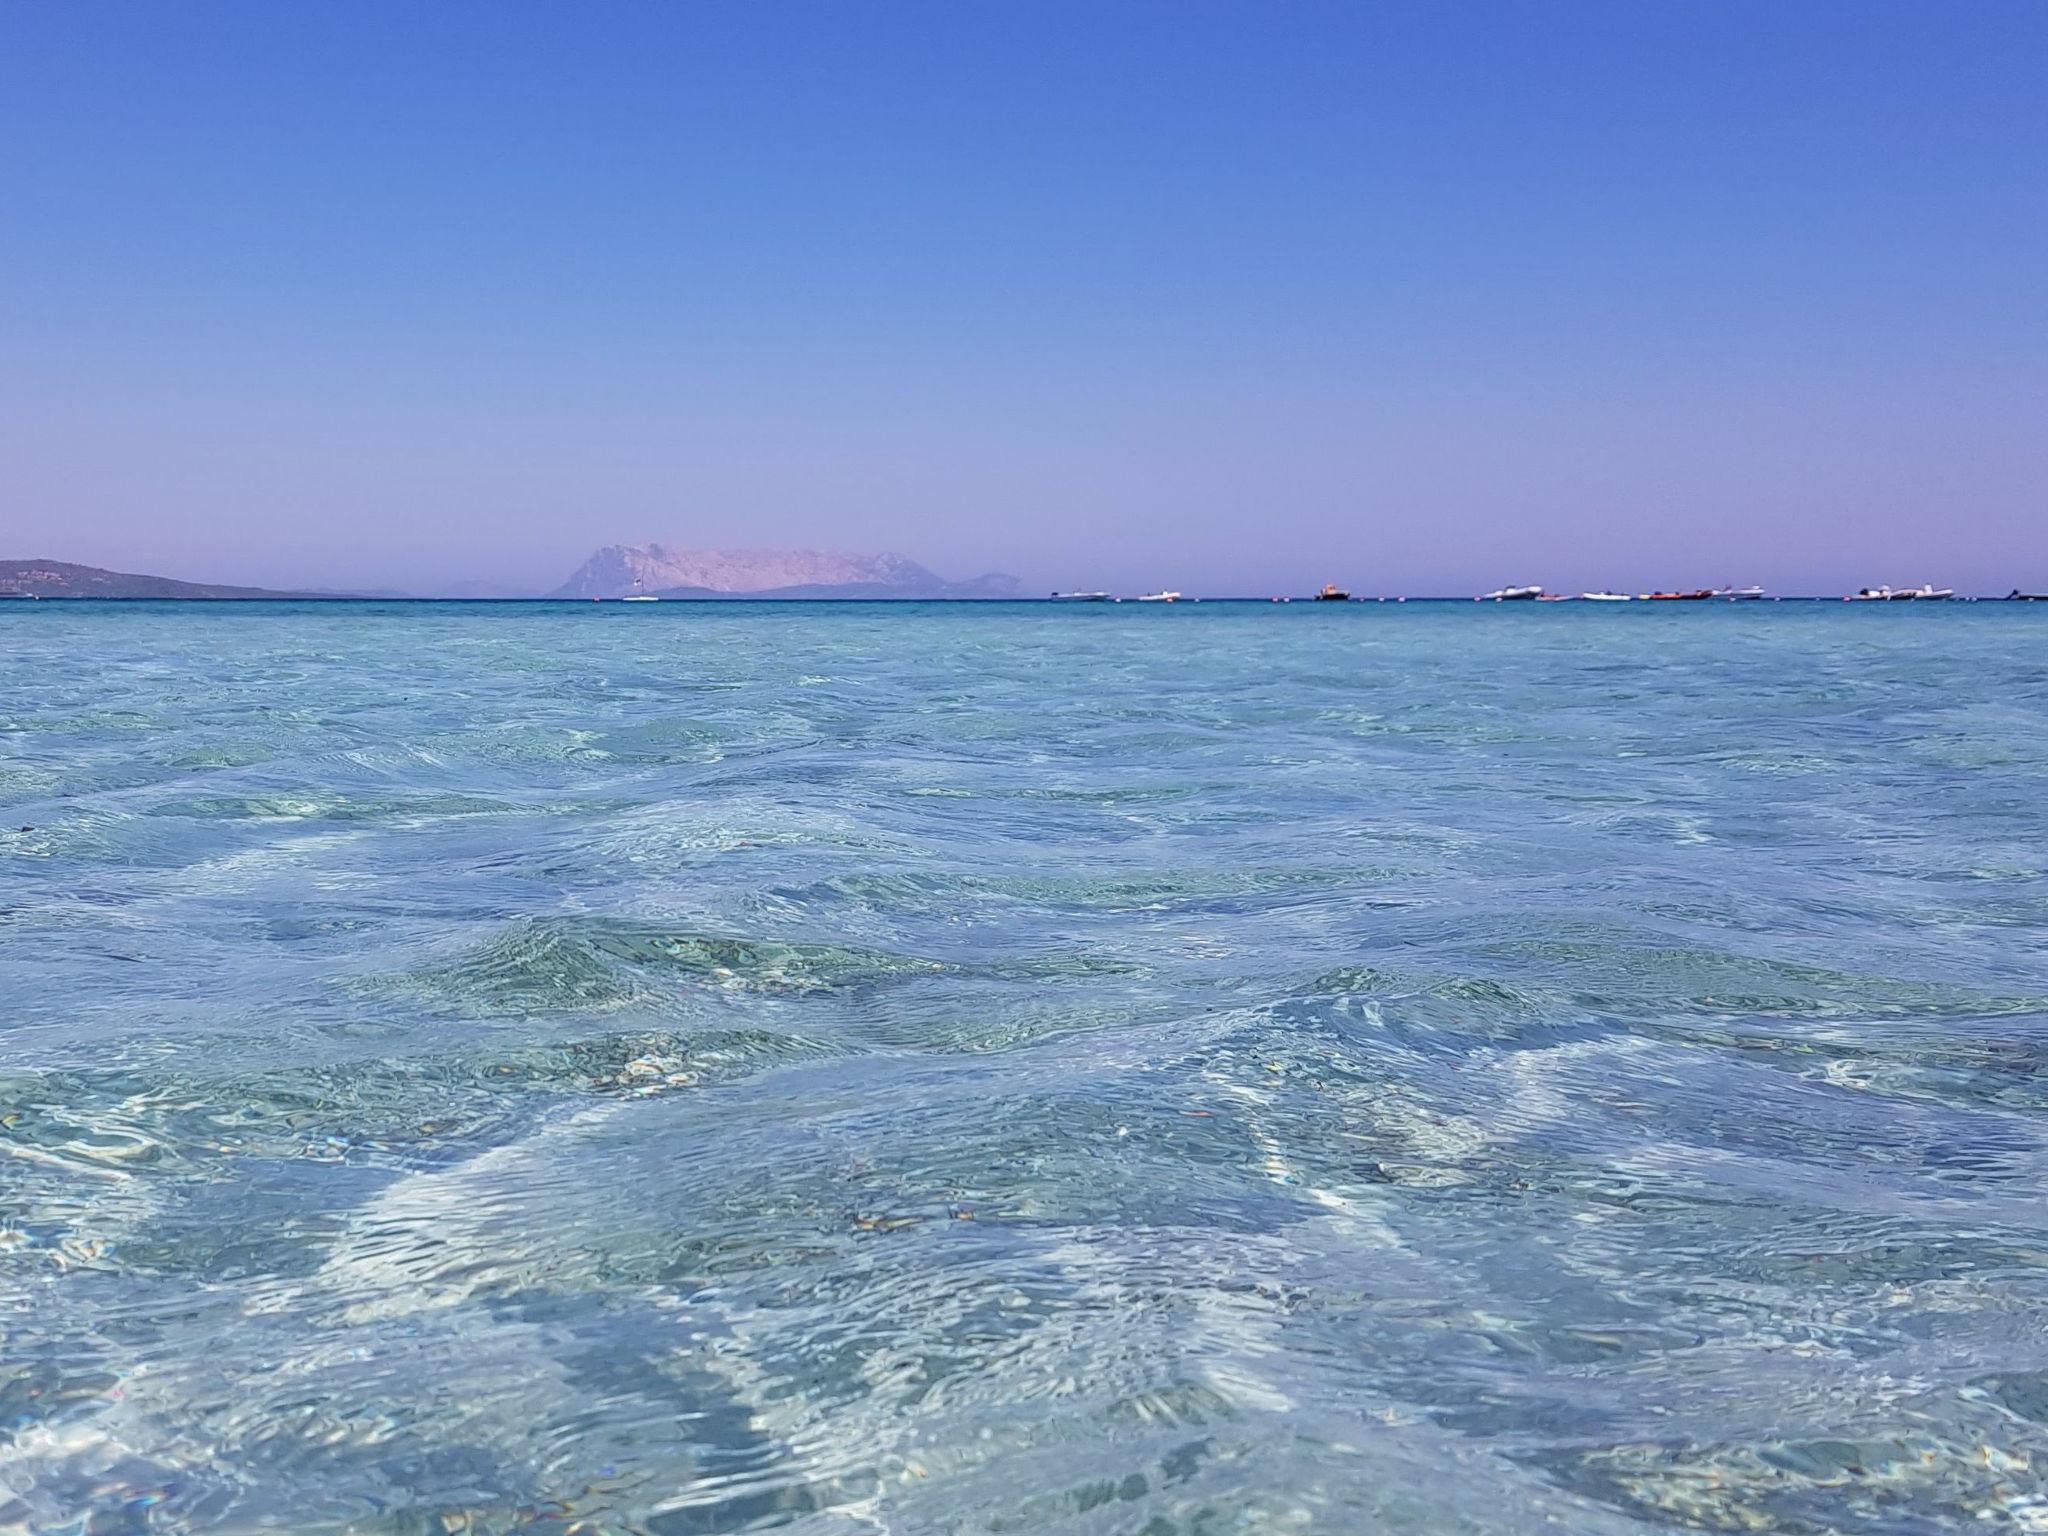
(642, 573)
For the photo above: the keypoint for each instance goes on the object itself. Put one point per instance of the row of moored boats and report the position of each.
(1921, 594)
(1696, 595)
(1104, 597)
(1535, 594)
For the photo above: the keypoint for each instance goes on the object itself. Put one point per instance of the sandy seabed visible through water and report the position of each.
(1019, 1068)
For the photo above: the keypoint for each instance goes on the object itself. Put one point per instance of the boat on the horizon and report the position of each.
(1511, 595)
(640, 597)
(1160, 597)
(2014, 596)
(1926, 593)
(1741, 594)
(1696, 595)
(1605, 597)
(1331, 594)
(1079, 597)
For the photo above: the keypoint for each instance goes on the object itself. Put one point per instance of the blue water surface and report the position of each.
(1018, 1068)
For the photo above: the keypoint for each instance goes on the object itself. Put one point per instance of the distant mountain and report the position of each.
(60, 578)
(660, 570)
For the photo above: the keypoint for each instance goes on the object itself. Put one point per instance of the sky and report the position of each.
(1237, 298)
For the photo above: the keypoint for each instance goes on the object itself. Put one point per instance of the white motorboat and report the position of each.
(1741, 594)
(1080, 597)
(1512, 595)
(1160, 597)
(1605, 597)
(1928, 593)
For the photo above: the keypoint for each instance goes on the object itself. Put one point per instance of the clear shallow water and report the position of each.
(850, 1069)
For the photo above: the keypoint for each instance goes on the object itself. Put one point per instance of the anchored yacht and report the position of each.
(1928, 593)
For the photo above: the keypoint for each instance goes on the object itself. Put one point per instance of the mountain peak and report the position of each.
(661, 570)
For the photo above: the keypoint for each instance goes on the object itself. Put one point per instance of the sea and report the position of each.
(871, 1069)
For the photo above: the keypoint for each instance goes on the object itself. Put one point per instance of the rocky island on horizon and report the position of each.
(676, 571)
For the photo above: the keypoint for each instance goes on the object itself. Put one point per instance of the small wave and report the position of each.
(566, 964)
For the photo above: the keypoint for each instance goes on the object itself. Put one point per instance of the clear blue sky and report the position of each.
(1418, 297)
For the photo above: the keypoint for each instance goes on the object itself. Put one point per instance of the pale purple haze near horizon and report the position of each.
(1234, 298)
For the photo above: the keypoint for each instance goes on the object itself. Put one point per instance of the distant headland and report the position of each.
(61, 578)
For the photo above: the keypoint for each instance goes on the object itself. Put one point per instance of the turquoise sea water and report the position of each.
(889, 1069)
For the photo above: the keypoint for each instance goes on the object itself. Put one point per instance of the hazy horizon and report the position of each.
(1221, 297)
(471, 588)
